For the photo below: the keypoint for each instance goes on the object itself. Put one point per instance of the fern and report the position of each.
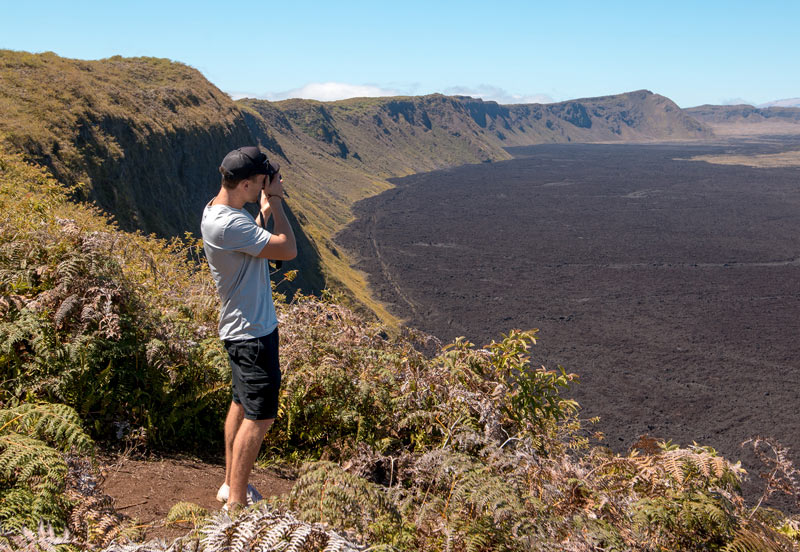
(326, 493)
(186, 512)
(699, 464)
(685, 520)
(261, 529)
(32, 480)
(750, 540)
(482, 493)
(80, 303)
(45, 538)
(93, 521)
(32, 470)
(57, 424)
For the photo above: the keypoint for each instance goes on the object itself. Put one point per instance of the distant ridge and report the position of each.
(145, 136)
(733, 113)
(789, 102)
(745, 119)
(633, 116)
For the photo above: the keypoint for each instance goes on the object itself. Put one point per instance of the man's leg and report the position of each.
(232, 423)
(244, 452)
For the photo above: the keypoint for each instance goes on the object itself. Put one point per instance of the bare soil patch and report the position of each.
(765, 161)
(145, 490)
(746, 130)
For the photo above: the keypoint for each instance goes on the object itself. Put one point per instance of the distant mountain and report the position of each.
(790, 102)
(633, 116)
(746, 119)
(144, 136)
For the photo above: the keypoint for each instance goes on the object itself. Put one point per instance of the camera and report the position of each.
(272, 168)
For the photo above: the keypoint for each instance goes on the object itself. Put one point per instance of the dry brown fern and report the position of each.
(781, 475)
(93, 522)
(758, 538)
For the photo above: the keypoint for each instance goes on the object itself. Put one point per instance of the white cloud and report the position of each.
(234, 95)
(331, 91)
(322, 91)
(499, 95)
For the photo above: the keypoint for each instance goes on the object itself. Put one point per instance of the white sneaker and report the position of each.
(253, 495)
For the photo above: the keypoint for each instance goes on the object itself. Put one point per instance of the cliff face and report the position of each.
(145, 137)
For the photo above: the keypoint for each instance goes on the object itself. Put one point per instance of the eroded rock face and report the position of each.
(574, 113)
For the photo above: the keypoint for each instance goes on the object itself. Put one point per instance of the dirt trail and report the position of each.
(145, 490)
(385, 269)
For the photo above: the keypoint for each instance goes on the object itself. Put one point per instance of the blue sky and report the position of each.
(510, 51)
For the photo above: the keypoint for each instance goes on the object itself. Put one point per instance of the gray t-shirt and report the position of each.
(232, 240)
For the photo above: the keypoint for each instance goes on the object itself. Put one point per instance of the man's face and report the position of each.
(256, 184)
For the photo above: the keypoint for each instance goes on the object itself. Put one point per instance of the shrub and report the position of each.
(119, 326)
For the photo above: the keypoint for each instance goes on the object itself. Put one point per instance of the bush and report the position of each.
(119, 326)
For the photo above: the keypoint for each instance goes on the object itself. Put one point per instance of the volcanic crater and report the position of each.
(671, 286)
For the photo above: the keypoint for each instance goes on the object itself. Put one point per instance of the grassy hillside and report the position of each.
(143, 137)
(142, 134)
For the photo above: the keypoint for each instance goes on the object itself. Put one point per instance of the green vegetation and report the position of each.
(119, 326)
(141, 137)
(53, 107)
(463, 448)
(33, 472)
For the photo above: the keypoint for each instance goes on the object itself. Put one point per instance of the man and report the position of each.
(237, 249)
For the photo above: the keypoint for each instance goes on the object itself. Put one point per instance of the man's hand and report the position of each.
(268, 189)
(263, 201)
(282, 245)
(275, 186)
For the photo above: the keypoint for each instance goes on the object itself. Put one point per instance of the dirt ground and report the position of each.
(145, 490)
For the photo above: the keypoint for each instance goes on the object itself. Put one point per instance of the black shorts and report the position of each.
(256, 375)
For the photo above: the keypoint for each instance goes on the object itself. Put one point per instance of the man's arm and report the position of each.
(263, 218)
(281, 245)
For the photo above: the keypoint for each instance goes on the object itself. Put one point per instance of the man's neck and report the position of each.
(226, 197)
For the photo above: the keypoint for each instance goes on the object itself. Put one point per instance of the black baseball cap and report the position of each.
(244, 162)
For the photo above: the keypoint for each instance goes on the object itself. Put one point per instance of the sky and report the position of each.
(698, 52)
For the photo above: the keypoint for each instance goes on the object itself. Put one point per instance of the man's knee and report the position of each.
(257, 426)
(264, 425)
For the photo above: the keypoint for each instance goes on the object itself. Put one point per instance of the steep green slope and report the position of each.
(143, 134)
(145, 137)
